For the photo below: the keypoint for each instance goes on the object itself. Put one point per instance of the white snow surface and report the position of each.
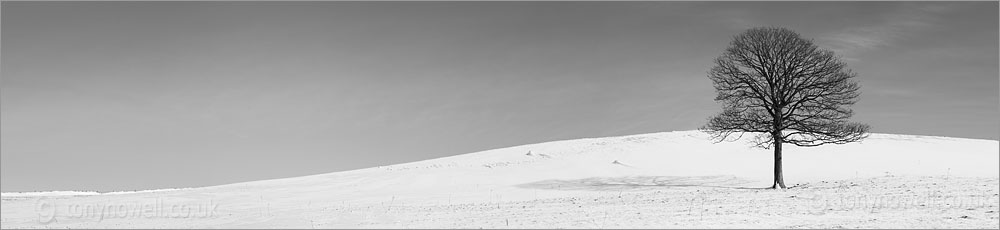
(583, 183)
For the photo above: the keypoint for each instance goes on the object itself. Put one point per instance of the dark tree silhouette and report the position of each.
(783, 89)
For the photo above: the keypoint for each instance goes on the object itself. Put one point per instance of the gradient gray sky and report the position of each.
(142, 95)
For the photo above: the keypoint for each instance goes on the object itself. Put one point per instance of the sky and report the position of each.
(112, 96)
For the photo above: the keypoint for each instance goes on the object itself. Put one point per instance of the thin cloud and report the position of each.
(737, 19)
(906, 20)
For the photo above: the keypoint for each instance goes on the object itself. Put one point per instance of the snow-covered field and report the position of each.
(658, 180)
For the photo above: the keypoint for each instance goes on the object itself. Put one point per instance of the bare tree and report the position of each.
(783, 89)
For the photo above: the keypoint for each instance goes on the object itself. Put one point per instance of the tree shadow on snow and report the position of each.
(640, 183)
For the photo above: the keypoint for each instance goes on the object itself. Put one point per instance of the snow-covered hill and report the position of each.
(575, 183)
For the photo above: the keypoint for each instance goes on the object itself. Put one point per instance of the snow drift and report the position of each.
(539, 172)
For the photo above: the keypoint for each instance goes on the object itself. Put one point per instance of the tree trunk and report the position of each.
(779, 180)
